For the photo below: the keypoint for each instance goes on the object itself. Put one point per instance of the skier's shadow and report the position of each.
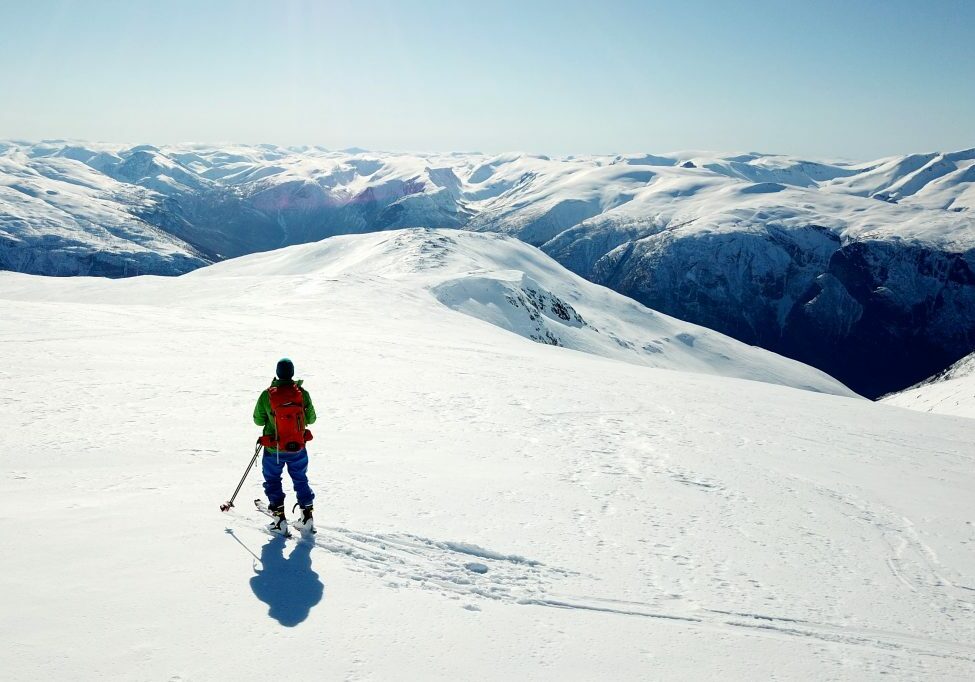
(288, 585)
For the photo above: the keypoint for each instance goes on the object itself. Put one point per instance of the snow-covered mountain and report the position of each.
(497, 280)
(508, 284)
(488, 506)
(61, 217)
(950, 392)
(865, 270)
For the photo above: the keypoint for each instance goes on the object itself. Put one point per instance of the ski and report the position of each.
(263, 508)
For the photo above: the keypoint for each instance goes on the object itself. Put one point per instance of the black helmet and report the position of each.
(285, 369)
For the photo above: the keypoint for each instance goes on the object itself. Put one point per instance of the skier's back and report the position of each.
(284, 410)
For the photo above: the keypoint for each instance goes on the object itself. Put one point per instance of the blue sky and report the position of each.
(857, 79)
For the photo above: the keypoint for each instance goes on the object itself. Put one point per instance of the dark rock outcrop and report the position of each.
(878, 315)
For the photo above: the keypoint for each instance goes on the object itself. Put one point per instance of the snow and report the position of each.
(516, 287)
(57, 211)
(742, 243)
(950, 392)
(933, 181)
(488, 506)
(923, 196)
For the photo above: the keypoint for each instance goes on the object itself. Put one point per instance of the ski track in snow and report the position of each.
(403, 560)
(452, 568)
(911, 561)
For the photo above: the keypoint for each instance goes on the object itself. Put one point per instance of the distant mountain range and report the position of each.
(865, 270)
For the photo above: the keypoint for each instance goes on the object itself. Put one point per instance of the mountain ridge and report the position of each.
(877, 258)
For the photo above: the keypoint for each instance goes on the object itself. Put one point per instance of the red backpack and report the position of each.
(288, 409)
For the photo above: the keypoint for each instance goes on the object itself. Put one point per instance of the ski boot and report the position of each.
(279, 524)
(307, 522)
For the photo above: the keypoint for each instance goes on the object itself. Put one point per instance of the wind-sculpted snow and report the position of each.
(758, 246)
(488, 506)
(517, 304)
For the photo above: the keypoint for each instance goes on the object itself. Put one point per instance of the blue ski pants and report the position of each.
(297, 463)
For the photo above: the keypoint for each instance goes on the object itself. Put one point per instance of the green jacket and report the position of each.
(262, 411)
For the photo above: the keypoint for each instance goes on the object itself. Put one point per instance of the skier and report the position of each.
(284, 410)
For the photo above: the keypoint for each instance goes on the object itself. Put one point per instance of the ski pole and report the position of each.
(227, 505)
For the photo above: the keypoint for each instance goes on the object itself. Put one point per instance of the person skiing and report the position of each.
(285, 410)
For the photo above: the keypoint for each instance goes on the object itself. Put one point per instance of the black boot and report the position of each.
(279, 524)
(307, 522)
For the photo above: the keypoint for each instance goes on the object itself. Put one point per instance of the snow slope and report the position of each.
(489, 507)
(516, 287)
(951, 392)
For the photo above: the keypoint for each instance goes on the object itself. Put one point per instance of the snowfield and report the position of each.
(489, 506)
